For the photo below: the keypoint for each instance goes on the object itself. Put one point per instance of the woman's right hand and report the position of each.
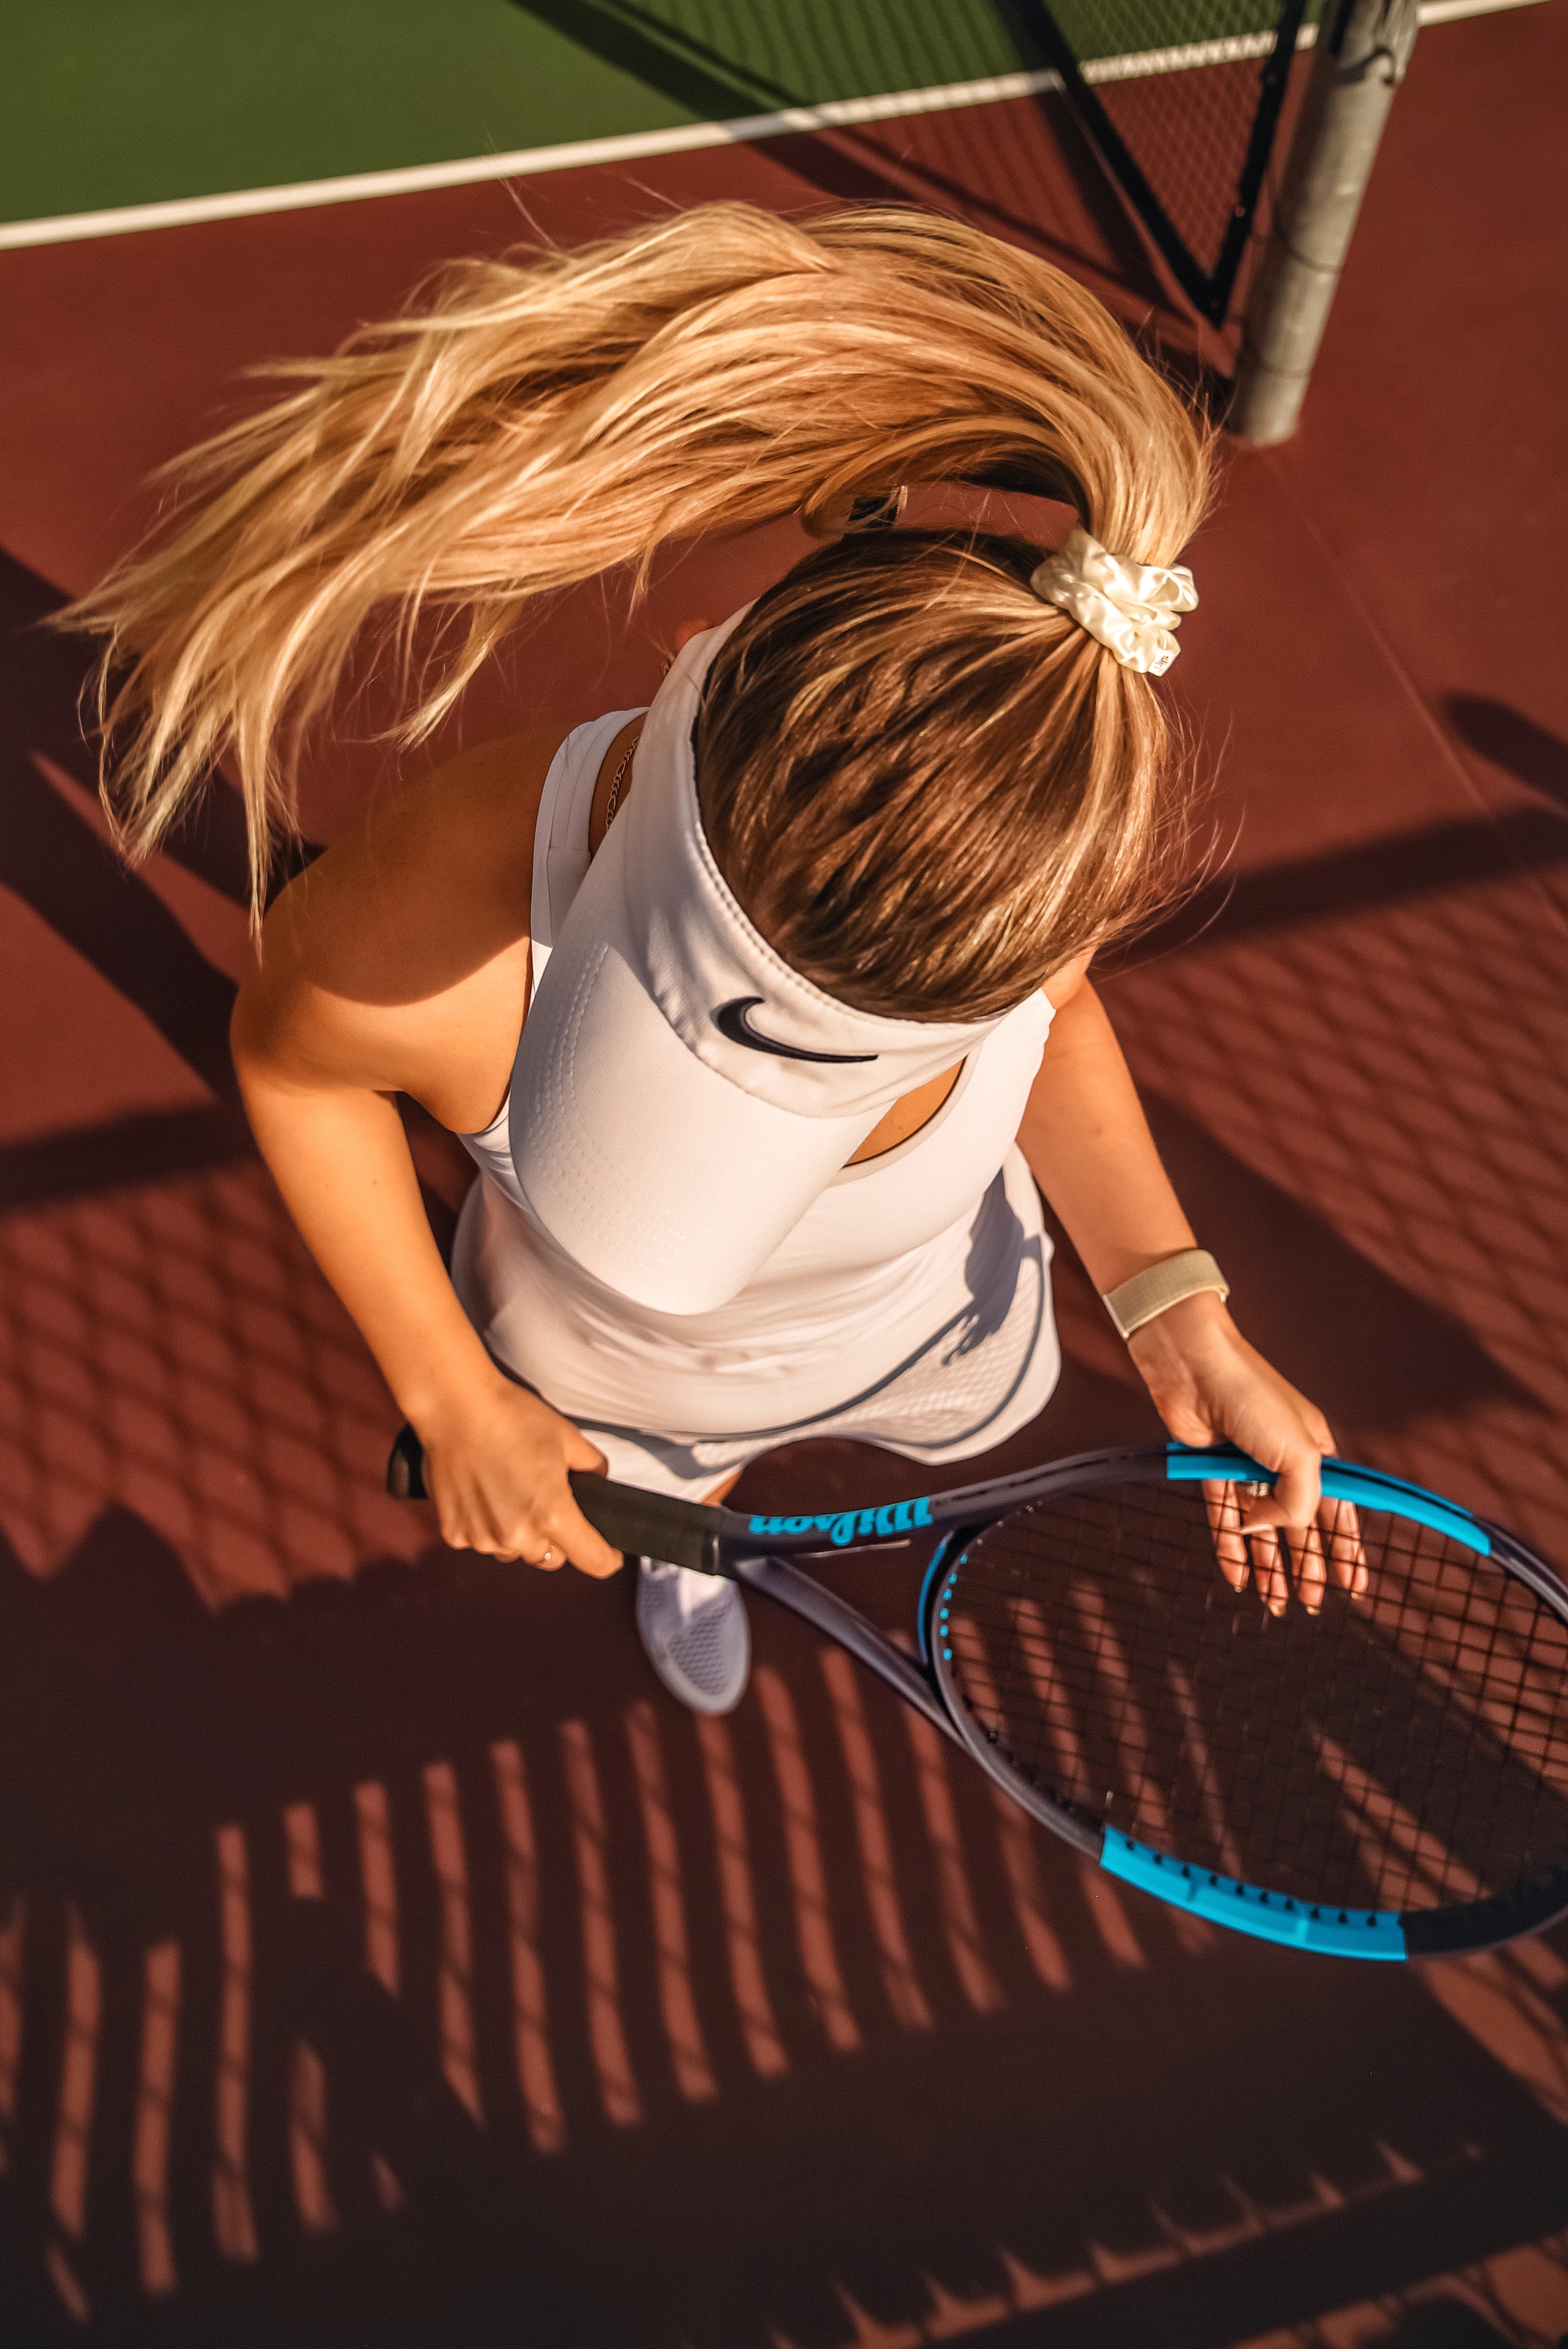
(496, 1470)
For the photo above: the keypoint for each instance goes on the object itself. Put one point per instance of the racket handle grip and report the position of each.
(650, 1525)
(647, 1525)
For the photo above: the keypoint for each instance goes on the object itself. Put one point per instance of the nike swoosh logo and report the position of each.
(732, 1020)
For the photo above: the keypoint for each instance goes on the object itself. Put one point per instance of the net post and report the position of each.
(1363, 49)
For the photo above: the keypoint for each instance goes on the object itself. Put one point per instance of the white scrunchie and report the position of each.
(1131, 608)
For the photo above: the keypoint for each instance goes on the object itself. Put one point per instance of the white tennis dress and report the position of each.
(910, 1306)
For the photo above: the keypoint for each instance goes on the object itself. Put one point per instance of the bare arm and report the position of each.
(1089, 1147)
(399, 963)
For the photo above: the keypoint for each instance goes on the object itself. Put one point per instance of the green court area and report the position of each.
(107, 103)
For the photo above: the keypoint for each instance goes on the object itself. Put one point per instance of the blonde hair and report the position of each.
(541, 420)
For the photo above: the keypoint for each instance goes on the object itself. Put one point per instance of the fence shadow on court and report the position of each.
(376, 1941)
(394, 1949)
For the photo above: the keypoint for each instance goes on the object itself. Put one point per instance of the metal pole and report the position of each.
(1363, 49)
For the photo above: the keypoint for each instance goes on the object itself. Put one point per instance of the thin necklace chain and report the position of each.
(626, 758)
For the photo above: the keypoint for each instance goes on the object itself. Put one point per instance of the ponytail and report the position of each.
(541, 420)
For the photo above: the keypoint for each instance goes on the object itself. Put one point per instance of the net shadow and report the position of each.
(1506, 737)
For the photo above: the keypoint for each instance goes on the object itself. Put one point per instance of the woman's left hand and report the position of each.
(1210, 1387)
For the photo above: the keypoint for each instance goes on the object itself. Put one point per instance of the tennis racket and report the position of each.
(1386, 1778)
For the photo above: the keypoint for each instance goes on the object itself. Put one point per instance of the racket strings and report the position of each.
(1407, 1750)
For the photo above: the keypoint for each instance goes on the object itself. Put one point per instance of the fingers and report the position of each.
(1298, 1490)
(1209, 1385)
(1261, 1554)
(1246, 1545)
(551, 1534)
(1224, 1508)
(588, 1551)
(1293, 1503)
(546, 1540)
(499, 1476)
(1341, 1525)
(1270, 1561)
(1311, 1573)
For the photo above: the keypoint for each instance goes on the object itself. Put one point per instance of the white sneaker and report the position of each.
(695, 1633)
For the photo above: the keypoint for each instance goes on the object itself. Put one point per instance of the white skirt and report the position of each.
(986, 1368)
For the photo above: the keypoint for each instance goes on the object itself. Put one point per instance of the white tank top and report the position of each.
(889, 1253)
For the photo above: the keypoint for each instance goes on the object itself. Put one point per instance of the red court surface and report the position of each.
(382, 1957)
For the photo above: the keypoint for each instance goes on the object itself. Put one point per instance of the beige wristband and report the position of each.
(1160, 1286)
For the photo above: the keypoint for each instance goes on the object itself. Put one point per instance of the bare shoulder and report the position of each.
(427, 887)
(398, 959)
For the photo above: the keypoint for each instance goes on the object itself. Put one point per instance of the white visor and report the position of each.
(682, 1095)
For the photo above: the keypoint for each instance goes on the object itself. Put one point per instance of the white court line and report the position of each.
(576, 155)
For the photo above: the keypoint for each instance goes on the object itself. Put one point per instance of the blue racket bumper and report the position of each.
(1186, 1463)
(1247, 1908)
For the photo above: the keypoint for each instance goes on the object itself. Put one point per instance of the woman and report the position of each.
(758, 1010)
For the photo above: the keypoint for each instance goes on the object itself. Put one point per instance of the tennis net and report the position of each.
(1181, 98)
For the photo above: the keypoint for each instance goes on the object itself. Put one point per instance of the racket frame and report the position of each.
(745, 1548)
(1528, 1907)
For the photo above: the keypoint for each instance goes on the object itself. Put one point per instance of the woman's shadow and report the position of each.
(55, 857)
(57, 863)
